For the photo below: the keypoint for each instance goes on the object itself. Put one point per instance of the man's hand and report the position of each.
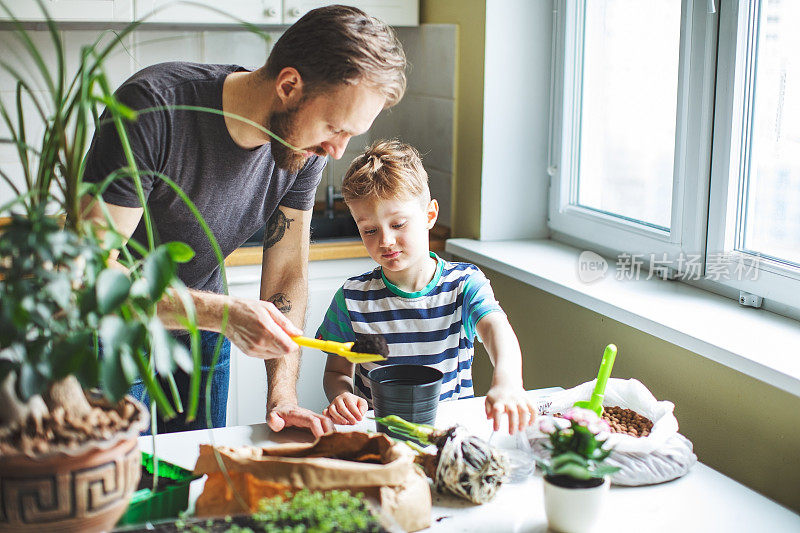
(346, 409)
(260, 330)
(513, 402)
(291, 414)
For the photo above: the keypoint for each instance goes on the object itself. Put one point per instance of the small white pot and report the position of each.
(573, 510)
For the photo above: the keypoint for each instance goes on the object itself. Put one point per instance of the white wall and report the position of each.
(516, 119)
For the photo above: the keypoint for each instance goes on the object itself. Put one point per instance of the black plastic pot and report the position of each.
(408, 391)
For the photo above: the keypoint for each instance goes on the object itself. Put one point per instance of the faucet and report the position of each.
(330, 197)
(330, 191)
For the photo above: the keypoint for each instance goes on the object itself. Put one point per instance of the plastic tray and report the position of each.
(145, 505)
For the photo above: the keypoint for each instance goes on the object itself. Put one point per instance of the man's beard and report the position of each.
(282, 124)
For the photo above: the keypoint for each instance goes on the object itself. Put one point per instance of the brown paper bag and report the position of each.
(354, 461)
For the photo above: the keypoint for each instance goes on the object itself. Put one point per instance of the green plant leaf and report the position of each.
(30, 381)
(161, 344)
(128, 365)
(85, 188)
(114, 336)
(87, 301)
(158, 269)
(7, 367)
(88, 373)
(15, 353)
(140, 290)
(112, 375)
(574, 471)
(112, 289)
(605, 470)
(568, 458)
(59, 290)
(180, 252)
(112, 240)
(71, 353)
(118, 108)
(182, 358)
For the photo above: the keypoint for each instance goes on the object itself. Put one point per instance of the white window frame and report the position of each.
(776, 281)
(610, 234)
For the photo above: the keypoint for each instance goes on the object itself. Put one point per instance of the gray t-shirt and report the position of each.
(236, 190)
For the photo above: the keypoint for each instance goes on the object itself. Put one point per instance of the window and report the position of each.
(627, 109)
(638, 89)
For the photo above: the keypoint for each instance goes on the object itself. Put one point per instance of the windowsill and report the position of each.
(755, 342)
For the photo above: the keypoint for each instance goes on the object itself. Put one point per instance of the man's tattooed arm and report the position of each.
(276, 228)
(281, 301)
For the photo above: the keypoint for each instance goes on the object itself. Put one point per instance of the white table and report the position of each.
(703, 500)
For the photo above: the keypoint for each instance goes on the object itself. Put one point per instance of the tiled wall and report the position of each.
(424, 117)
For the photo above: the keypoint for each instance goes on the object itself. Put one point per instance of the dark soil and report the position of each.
(220, 525)
(375, 344)
(568, 482)
(62, 430)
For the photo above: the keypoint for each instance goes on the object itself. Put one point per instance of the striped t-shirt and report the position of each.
(433, 327)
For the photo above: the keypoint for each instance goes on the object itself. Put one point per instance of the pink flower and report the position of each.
(584, 417)
(561, 423)
(546, 425)
(551, 424)
(594, 426)
(587, 419)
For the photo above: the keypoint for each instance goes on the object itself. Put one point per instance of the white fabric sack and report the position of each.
(661, 456)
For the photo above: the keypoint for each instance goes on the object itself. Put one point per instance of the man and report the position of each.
(326, 80)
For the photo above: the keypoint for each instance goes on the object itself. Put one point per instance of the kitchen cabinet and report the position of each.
(248, 386)
(260, 12)
(72, 10)
(253, 11)
(393, 12)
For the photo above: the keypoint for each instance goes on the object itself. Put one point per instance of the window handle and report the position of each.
(712, 7)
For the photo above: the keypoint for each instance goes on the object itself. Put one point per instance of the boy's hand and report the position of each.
(346, 409)
(512, 401)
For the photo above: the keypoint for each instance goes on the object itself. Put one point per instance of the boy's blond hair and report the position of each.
(389, 170)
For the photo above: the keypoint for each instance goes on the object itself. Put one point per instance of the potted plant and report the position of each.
(576, 481)
(330, 511)
(69, 457)
(164, 499)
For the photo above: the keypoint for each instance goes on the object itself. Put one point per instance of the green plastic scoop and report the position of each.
(596, 402)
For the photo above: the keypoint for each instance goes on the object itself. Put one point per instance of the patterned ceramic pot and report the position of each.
(84, 490)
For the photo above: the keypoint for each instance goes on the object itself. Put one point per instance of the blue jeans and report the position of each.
(219, 388)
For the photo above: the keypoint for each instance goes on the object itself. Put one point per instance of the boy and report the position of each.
(428, 309)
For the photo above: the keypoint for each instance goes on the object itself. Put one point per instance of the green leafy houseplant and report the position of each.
(60, 300)
(304, 511)
(576, 481)
(316, 511)
(59, 297)
(576, 448)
